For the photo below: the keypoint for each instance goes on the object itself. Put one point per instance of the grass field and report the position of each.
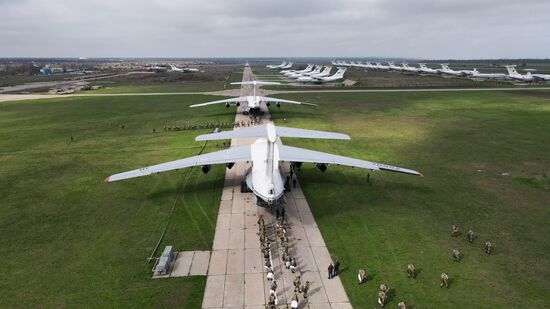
(485, 161)
(70, 240)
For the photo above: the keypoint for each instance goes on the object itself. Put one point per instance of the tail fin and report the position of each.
(445, 66)
(511, 70)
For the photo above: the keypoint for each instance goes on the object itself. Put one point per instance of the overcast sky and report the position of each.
(255, 28)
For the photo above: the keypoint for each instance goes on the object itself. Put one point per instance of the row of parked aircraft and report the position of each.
(316, 74)
(423, 69)
(266, 178)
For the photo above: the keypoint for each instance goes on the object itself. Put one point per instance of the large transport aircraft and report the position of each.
(184, 70)
(265, 178)
(424, 69)
(322, 80)
(308, 69)
(487, 76)
(446, 70)
(276, 66)
(514, 75)
(254, 102)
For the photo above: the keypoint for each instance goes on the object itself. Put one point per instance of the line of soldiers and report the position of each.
(211, 125)
(265, 244)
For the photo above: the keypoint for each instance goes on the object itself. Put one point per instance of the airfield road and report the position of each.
(236, 276)
(237, 92)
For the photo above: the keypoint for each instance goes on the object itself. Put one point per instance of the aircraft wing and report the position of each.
(267, 99)
(231, 155)
(294, 154)
(230, 101)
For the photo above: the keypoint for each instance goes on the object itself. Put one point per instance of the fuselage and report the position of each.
(265, 177)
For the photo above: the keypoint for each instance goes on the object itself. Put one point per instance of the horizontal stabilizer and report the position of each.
(262, 131)
(255, 83)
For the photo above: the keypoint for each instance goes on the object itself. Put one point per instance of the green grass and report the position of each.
(70, 240)
(12, 80)
(485, 161)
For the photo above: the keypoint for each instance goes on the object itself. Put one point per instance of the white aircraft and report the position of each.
(406, 68)
(254, 102)
(325, 72)
(287, 66)
(446, 70)
(514, 75)
(308, 69)
(542, 77)
(393, 67)
(276, 66)
(380, 66)
(156, 68)
(489, 76)
(426, 70)
(265, 178)
(317, 70)
(321, 80)
(184, 70)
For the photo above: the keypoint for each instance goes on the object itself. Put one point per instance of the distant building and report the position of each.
(50, 71)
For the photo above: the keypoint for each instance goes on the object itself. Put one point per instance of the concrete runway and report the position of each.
(236, 275)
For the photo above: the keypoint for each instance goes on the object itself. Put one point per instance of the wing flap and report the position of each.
(267, 99)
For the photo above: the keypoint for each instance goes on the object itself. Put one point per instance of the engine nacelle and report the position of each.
(238, 104)
(227, 105)
(321, 166)
(278, 104)
(229, 165)
(297, 164)
(205, 169)
(267, 103)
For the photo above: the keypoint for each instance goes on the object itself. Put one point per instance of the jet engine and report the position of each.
(227, 105)
(229, 165)
(206, 168)
(278, 104)
(297, 164)
(321, 166)
(238, 104)
(267, 103)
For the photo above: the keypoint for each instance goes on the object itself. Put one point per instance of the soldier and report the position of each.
(272, 301)
(471, 236)
(384, 288)
(297, 283)
(444, 280)
(411, 271)
(72, 139)
(361, 276)
(382, 298)
(273, 288)
(294, 302)
(336, 268)
(488, 247)
(294, 183)
(293, 265)
(305, 289)
(330, 270)
(454, 230)
(456, 255)
(401, 305)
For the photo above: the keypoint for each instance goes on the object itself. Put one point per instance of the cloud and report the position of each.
(219, 28)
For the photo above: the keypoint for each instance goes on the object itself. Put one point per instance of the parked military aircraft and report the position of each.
(253, 101)
(514, 75)
(321, 80)
(184, 70)
(450, 72)
(489, 76)
(276, 66)
(265, 178)
(426, 70)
